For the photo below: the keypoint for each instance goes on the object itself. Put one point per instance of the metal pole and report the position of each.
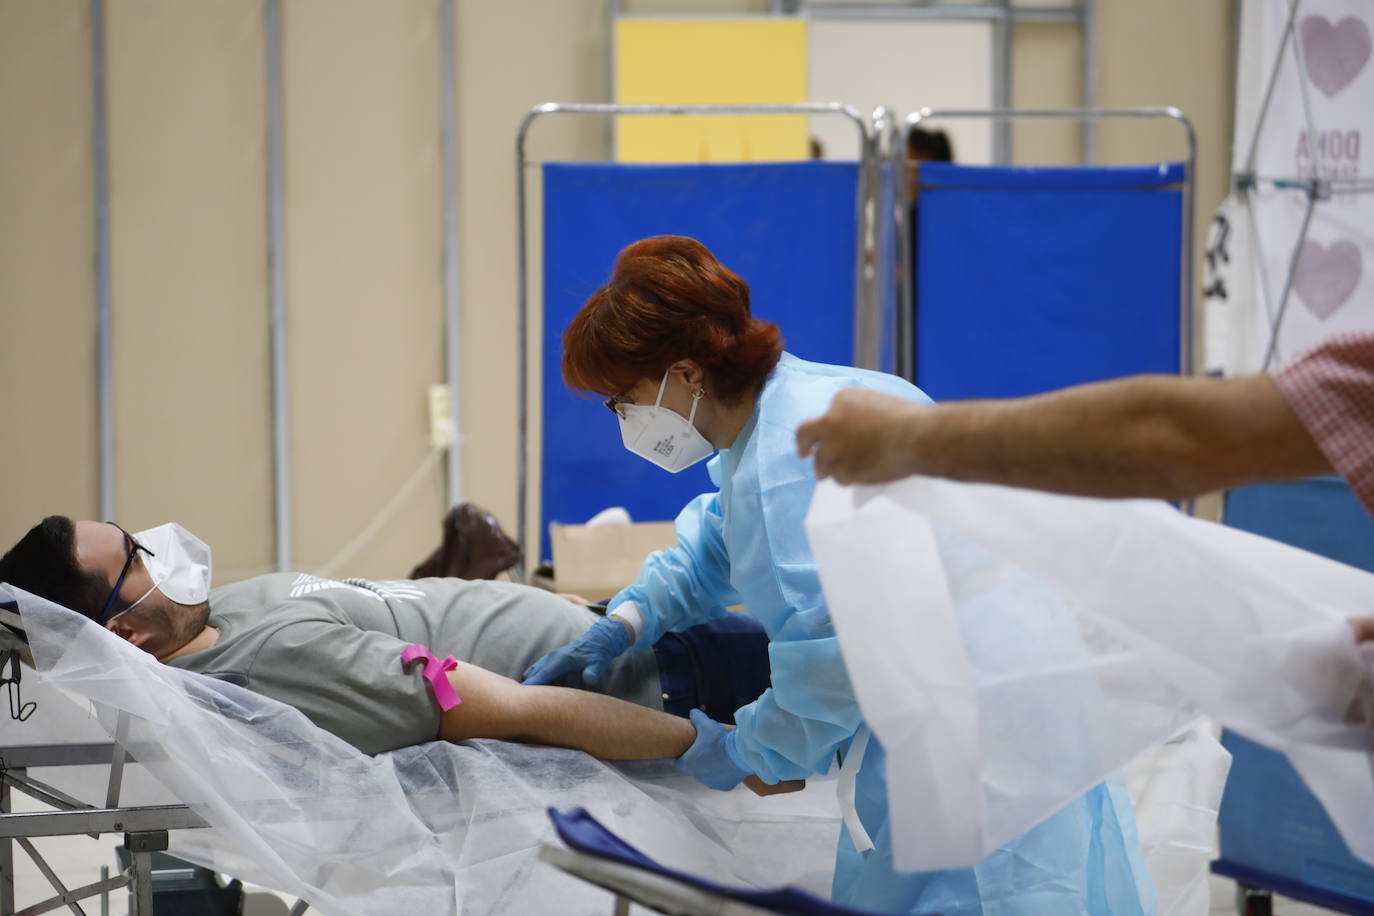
(518, 573)
(1269, 89)
(1288, 283)
(905, 292)
(276, 267)
(141, 883)
(864, 345)
(448, 95)
(1187, 292)
(868, 345)
(1089, 39)
(6, 854)
(117, 755)
(104, 350)
(522, 246)
(64, 895)
(938, 11)
(1001, 83)
(1305, 93)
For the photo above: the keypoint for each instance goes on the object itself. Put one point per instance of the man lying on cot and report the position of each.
(1166, 437)
(337, 650)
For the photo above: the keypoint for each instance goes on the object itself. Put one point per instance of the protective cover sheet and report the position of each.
(436, 828)
(1011, 648)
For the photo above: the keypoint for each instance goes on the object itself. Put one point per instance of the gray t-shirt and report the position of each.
(333, 649)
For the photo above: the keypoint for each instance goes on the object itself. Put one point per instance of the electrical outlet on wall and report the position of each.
(440, 417)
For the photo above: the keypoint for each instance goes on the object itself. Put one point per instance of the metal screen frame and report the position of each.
(1187, 298)
(862, 303)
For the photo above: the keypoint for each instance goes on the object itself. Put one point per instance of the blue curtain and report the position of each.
(1030, 279)
(789, 229)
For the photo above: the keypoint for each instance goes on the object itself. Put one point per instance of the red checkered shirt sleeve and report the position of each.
(1331, 388)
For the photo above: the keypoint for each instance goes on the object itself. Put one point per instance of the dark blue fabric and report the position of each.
(787, 228)
(1031, 279)
(584, 833)
(1305, 893)
(1320, 514)
(716, 667)
(1271, 823)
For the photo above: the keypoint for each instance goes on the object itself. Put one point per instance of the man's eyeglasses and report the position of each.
(134, 547)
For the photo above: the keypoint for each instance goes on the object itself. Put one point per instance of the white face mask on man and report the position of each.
(663, 436)
(179, 565)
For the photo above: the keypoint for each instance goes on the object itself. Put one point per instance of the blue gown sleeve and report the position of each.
(795, 728)
(686, 584)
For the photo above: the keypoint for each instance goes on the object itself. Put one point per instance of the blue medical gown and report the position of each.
(747, 545)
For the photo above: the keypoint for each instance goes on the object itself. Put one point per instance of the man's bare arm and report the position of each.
(1145, 436)
(498, 707)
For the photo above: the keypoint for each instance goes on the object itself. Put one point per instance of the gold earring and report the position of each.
(699, 394)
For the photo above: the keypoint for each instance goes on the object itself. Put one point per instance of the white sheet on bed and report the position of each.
(423, 829)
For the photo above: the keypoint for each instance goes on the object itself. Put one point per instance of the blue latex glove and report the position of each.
(591, 652)
(713, 758)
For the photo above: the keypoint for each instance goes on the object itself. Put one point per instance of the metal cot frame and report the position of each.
(145, 827)
(1187, 308)
(862, 283)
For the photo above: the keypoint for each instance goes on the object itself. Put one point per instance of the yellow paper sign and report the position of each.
(711, 62)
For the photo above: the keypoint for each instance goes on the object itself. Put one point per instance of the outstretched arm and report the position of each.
(1145, 436)
(498, 707)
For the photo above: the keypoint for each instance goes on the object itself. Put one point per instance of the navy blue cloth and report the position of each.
(1273, 829)
(1033, 279)
(788, 229)
(716, 667)
(584, 833)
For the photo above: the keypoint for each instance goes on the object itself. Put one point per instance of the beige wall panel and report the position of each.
(1047, 72)
(47, 285)
(363, 261)
(188, 242)
(904, 65)
(1170, 52)
(511, 56)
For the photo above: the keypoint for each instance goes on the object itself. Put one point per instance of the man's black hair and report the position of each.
(933, 143)
(44, 563)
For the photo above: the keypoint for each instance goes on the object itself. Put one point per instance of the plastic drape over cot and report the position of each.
(434, 828)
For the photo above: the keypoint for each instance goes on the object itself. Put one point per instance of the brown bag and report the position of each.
(474, 547)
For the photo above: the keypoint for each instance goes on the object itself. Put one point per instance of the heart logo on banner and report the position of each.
(1335, 54)
(1326, 277)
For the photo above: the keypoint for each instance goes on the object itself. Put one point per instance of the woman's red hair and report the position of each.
(669, 299)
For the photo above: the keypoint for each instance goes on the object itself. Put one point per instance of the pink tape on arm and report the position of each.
(444, 694)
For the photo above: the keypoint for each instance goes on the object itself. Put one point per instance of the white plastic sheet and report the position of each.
(436, 828)
(1045, 641)
(1176, 789)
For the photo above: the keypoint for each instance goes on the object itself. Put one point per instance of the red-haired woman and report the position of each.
(688, 370)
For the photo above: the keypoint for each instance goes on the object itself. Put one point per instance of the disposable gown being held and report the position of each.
(1122, 620)
(747, 545)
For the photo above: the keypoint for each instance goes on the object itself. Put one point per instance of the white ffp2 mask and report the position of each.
(663, 436)
(180, 565)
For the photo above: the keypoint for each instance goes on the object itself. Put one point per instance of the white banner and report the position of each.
(1319, 124)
